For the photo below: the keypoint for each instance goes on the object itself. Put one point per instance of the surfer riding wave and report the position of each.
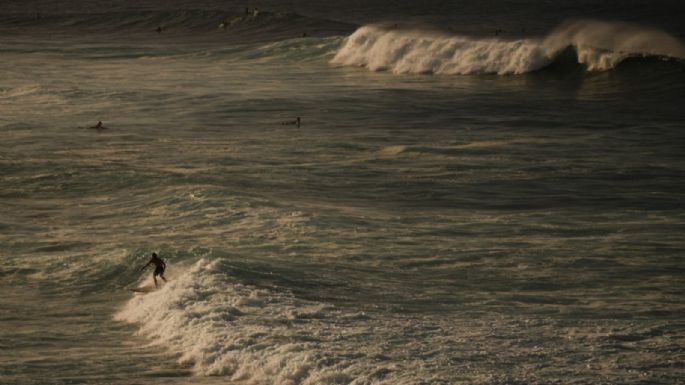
(159, 267)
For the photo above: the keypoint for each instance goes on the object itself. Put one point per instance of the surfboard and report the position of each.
(143, 289)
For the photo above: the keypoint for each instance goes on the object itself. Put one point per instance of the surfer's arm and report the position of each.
(146, 265)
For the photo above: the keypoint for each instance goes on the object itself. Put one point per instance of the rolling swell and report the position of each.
(273, 25)
(597, 46)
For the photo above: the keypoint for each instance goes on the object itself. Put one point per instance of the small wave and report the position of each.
(300, 49)
(25, 90)
(598, 45)
(16, 98)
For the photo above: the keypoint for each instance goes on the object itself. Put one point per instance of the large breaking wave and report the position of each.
(598, 45)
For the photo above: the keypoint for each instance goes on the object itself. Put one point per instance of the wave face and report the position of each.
(259, 335)
(599, 46)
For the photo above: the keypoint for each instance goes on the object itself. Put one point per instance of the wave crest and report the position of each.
(599, 46)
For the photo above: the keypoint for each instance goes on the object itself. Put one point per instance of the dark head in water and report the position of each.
(99, 126)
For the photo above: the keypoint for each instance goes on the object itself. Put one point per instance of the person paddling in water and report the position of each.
(159, 267)
(99, 126)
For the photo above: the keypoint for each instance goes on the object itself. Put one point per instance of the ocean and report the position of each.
(477, 192)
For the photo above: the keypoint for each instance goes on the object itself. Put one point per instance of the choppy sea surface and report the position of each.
(490, 193)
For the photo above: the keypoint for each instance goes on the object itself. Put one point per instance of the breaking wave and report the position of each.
(221, 319)
(599, 46)
(259, 335)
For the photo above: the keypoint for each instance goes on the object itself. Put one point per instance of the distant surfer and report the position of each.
(159, 267)
(159, 29)
(98, 126)
(292, 122)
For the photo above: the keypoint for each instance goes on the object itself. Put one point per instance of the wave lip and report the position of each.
(602, 45)
(599, 46)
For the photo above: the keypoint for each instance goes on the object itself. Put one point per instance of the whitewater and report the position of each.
(597, 45)
(476, 195)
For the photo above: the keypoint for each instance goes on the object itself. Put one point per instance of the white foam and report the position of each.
(403, 51)
(600, 46)
(249, 334)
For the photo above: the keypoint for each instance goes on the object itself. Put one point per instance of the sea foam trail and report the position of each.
(599, 46)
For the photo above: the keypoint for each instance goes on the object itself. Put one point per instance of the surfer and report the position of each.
(292, 122)
(159, 267)
(98, 126)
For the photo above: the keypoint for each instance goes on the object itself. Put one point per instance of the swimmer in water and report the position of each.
(292, 122)
(159, 267)
(98, 126)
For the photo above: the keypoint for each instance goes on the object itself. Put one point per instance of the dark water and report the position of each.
(460, 205)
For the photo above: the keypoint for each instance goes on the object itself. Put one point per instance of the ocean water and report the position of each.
(458, 205)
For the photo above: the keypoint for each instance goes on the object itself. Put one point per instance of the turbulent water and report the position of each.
(480, 193)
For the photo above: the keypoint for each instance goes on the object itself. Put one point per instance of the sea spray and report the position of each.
(620, 38)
